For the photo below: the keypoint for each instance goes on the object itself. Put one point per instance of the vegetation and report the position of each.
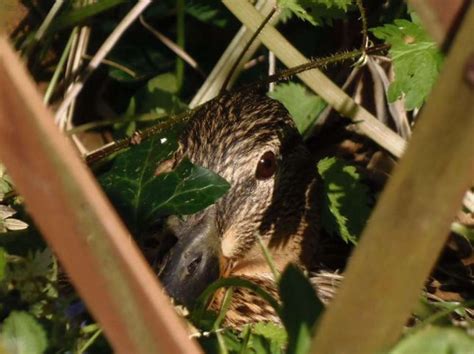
(140, 97)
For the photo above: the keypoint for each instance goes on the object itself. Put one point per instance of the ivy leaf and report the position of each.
(141, 197)
(416, 60)
(186, 190)
(303, 106)
(22, 334)
(436, 340)
(300, 309)
(345, 211)
(316, 12)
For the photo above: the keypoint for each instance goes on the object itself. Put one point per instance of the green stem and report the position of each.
(268, 258)
(59, 67)
(439, 315)
(225, 306)
(246, 48)
(363, 17)
(180, 41)
(90, 341)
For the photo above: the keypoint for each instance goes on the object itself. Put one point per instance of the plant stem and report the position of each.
(90, 341)
(59, 67)
(180, 41)
(105, 48)
(246, 48)
(317, 81)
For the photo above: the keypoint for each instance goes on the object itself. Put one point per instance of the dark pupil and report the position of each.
(266, 166)
(193, 265)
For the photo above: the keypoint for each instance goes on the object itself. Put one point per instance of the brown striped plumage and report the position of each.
(229, 135)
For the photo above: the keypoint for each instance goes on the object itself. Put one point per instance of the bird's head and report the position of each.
(252, 142)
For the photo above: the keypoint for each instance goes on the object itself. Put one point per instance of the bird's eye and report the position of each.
(267, 166)
(191, 268)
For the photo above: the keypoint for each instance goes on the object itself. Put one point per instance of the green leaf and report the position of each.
(207, 12)
(300, 310)
(76, 16)
(3, 263)
(316, 12)
(303, 106)
(21, 334)
(157, 96)
(141, 196)
(273, 333)
(345, 211)
(186, 190)
(436, 340)
(416, 60)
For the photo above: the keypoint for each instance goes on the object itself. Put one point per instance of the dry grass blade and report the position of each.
(317, 81)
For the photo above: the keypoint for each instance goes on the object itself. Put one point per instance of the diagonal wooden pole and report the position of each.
(80, 225)
(439, 17)
(412, 219)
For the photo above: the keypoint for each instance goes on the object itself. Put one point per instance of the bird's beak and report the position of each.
(193, 264)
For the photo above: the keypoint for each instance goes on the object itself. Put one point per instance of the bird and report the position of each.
(250, 140)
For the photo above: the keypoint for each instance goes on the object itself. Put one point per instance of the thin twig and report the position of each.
(268, 258)
(211, 87)
(317, 81)
(180, 39)
(271, 69)
(59, 67)
(363, 17)
(247, 46)
(106, 47)
(47, 21)
(115, 65)
(172, 46)
(79, 47)
(90, 341)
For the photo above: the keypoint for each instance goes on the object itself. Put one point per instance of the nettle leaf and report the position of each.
(141, 197)
(303, 106)
(300, 309)
(316, 12)
(22, 334)
(272, 332)
(416, 60)
(346, 208)
(436, 340)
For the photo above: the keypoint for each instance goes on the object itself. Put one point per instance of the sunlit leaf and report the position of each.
(303, 106)
(21, 334)
(346, 208)
(300, 309)
(416, 59)
(141, 196)
(436, 340)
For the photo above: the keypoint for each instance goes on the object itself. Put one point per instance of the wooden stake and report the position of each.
(411, 222)
(80, 225)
